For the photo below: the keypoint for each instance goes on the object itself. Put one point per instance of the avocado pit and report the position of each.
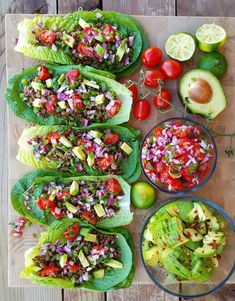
(200, 91)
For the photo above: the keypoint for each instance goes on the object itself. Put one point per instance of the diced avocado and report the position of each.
(71, 208)
(214, 262)
(61, 79)
(203, 92)
(99, 49)
(221, 222)
(126, 148)
(202, 211)
(90, 237)
(205, 252)
(90, 84)
(99, 37)
(98, 141)
(192, 215)
(62, 104)
(152, 256)
(197, 265)
(83, 23)
(114, 264)
(193, 245)
(99, 99)
(69, 40)
(121, 50)
(83, 259)
(63, 260)
(84, 231)
(49, 83)
(193, 234)
(99, 273)
(74, 188)
(214, 224)
(201, 228)
(90, 159)
(215, 237)
(37, 103)
(95, 134)
(79, 153)
(148, 235)
(52, 196)
(99, 209)
(37, 86)
(184, 210)
(220, 249)
(172, 209)
(65, 142)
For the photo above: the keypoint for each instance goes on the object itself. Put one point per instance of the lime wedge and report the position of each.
(210, 37)
(180, 46)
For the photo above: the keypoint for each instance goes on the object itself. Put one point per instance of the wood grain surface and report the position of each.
(139, 292)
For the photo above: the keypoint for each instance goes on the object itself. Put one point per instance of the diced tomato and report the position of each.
(78, 101)
(50, 107)
(158, 131)
(203, 168)
(111, 139)
(185, 142)
(72, 232)
(149, 167)
(43, 204)
(84, 50)
(53, 210)
(53, 136)
(90, 217)
(43, 73)
(62, 195)
(115, 108)
(181, 133)
(196, 150)
(47, 37)
(176, 184)
(164, 174)
(74, 268)
(87, 30)
(183, 159)
(134, 91)
(104, 163)
(113, 186)
(186, 174)
(98, 247)
(159, 166)
(49, 271)
(109, 33)
(72, 75)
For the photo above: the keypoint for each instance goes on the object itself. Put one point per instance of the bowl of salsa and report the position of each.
(178, 155)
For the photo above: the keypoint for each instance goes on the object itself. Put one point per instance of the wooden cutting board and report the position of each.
(220, 188)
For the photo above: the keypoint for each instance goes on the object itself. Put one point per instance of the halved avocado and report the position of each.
(203, 93)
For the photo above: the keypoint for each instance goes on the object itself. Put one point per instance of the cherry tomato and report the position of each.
(56, 212)
(111, 139)
(162, 95)
(141, 109)
(115, 108)
(134, 91)
(47, 37)
(113, 186)
(109, 33)
(154, 77)
(172, 69)
(49, 271)
(78, 101)
(151, 57)
(72, 75)
(43, 204)
(53, 137)
(104, 163)
(72, 232)
(84, 50)
(90, 217)
(43, 73)
(62, 195)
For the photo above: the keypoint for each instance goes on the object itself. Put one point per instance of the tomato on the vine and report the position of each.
(154, 77)
(134, 91)
(141, 109)
(162, 99)
(172, 69)
(151, 57)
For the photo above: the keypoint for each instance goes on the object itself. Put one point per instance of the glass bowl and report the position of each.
(212, 164)
(193, 289)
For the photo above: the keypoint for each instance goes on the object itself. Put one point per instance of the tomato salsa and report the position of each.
(177, 155)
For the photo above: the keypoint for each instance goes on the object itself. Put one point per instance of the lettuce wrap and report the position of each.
(74, 255)
(37, 194)
(97, 150)
(106, 40)
(30, 95)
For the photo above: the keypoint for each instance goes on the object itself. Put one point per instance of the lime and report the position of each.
(215, 62)
(210, 37)
(180, 46)
(143, 195)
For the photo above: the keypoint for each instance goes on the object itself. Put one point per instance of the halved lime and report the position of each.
(180, 46)
(210, 37)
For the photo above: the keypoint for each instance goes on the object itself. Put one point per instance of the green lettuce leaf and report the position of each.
(26, 43)
(128, 167)
(37, 179)
(25, 112)
(113, 279)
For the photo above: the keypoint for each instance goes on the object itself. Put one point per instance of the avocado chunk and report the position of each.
(90, 237)
(90, 159)
(99, 49)
(99, 274)
(37, 86)
(205, 252)
(99, 209)
(100, 38)
(215, 224)
(62, 104)
(90, 83)
(126, 148)
(193, 245)
(74, 188)
(172, 209)
(83, 23)
(49, 83)
(202, 211)
(193, 234)
(152, 256)
(121, 50)
(213, 237)
(65, 142)
(95, 134)
(203, 93)
(37, 103)
(84, 231)
(71, 208)
(61, 79)
(99, 99)
(79, 153)
(99, 141)
(114, 264)
(69, 40)
(52, 196)
(83, 259)
(63, 260)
